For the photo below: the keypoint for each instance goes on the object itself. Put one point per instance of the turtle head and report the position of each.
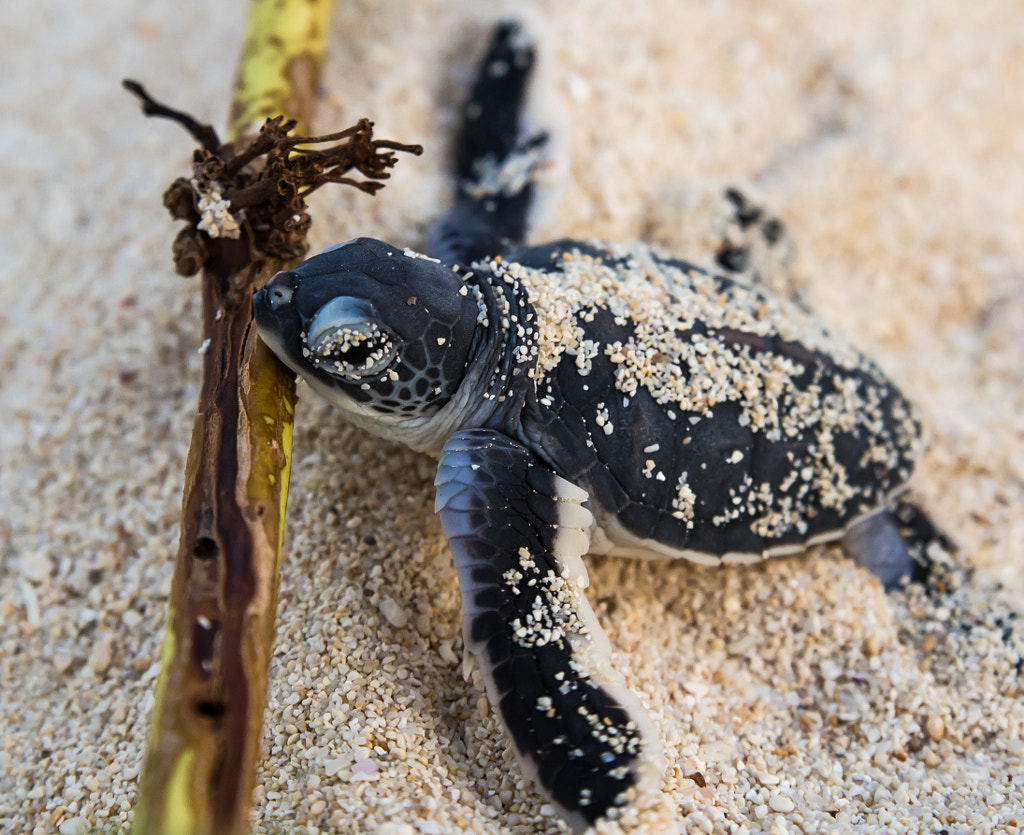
(384, 333)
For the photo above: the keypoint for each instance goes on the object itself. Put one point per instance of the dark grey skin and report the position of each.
(444, 357)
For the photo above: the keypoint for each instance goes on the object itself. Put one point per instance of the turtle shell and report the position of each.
(705, 417)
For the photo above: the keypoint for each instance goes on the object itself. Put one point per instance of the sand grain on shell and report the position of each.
(792, 697)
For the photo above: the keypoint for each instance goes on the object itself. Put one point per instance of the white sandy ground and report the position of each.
(889, 136)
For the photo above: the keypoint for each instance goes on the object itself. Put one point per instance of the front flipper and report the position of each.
(517, 532)
(496, 165)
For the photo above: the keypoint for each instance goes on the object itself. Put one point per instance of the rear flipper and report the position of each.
(517, 532)
(968, 630)
(495, 167)
(754, 244)
(893, 545)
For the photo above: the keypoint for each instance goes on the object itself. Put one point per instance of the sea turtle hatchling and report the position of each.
(588, 397)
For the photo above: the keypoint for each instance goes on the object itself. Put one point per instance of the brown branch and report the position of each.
(204, 134)
(245, 215)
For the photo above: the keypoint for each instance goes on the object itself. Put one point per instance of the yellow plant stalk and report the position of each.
(208, 715)
(245, 214)
(280, 63)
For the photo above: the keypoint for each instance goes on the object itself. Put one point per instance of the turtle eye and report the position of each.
(345, 339)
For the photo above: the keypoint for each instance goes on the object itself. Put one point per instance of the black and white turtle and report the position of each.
(588, 397)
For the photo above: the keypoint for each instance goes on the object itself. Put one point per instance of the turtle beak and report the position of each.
(275, 294)
(274, 314)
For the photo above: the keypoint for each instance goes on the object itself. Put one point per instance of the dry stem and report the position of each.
(245, 214)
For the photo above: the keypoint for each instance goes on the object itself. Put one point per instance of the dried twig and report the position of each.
(245, 214)
(262, 186)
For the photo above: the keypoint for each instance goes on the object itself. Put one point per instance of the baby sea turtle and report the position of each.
(589, 397)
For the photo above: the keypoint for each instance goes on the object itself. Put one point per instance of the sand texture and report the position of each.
(890, 139)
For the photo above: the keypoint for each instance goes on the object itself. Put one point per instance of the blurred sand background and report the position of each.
(888, 136)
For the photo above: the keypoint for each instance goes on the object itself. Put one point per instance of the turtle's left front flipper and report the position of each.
(517, 532)
(496, 164)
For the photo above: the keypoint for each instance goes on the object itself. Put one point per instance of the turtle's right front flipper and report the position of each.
(517, 531)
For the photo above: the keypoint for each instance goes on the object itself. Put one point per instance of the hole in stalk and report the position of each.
(211, 709)
(205, 549)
